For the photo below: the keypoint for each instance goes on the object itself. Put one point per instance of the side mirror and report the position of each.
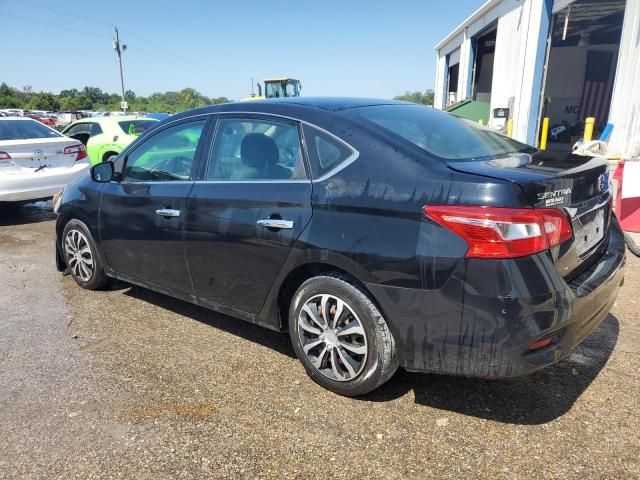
(102, 172)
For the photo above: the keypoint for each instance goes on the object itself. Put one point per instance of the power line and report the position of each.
(75, 15)
(53, 25)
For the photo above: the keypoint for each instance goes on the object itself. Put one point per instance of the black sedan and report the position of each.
(378, 233)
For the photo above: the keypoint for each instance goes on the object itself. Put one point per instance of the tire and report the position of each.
(365, 359)
(81, 255)
(631, 245)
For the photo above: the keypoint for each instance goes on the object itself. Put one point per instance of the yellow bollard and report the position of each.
(589, 122)
(481, 122)
(545, 133)
(510, 128)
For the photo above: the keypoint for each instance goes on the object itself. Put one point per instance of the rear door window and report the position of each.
(136, 127)
(325, 151)
(256, 149)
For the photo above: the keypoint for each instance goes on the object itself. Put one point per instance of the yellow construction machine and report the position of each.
(276, 88)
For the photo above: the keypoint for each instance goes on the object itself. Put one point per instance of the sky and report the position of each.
(336, 48)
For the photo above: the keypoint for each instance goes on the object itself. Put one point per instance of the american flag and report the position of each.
(596, 94)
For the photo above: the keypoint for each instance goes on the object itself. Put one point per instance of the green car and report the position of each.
(107, 136)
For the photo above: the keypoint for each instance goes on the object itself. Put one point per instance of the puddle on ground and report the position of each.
(29, 213)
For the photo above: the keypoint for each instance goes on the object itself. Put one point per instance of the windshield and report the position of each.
(136, 127)
(25, 129)
(282, 89)
(438, 133)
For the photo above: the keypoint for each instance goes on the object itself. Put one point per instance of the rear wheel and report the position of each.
(340, 336)
(81, 256)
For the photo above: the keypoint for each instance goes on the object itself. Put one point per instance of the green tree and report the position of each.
(93, 98)
(11, 97)
(69, 93)
(425, 98)
(44, 101)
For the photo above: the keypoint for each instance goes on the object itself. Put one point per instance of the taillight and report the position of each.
(4, 156)
(78, 149)
(493, 232)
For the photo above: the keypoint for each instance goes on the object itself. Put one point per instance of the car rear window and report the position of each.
(25, 129)
(136, 127)
(438, 133)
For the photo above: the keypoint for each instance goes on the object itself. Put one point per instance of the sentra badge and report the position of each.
(555, 197)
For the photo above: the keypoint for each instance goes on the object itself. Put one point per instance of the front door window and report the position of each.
(167, 156)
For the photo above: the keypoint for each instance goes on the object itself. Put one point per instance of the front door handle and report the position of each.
(275, 223)
(168, 212)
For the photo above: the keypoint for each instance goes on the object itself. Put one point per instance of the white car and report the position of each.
(36, 161)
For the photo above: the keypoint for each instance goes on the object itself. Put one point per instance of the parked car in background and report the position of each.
(66, 118)
(378, 233)
(14, 112)
(36, 161)
(106, 137)
(47, 119)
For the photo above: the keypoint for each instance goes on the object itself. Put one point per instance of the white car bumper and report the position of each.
(37, 185)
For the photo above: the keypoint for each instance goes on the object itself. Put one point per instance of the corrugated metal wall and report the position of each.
(625, 105)
(522, 30)
(509, 63)
(518, 68)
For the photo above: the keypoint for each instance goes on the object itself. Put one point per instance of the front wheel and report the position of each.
(81, 256)
(340, 336)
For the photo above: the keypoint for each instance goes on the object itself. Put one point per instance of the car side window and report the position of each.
(166, 156)
(251, 149)
(96, 129)
(79, 128)
(325, 152)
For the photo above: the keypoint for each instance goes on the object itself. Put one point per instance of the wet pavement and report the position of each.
(128, 383)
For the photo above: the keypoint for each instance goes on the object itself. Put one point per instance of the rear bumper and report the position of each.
(482, 321)
(38, 185)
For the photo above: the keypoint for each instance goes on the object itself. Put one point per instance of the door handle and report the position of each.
(168, 212)
(275, 223)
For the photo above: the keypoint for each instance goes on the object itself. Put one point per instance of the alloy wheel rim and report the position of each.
(79, 257)
(332, 337)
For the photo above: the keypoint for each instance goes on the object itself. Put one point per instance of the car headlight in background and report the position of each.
(57, 198)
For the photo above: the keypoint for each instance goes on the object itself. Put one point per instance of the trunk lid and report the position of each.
(578, 185)
(35, 155)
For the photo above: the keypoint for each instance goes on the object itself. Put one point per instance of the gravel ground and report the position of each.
(128, 383)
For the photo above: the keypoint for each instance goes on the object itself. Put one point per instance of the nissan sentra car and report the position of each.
(377, 233)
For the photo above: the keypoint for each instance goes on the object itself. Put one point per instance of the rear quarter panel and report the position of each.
(368, 221)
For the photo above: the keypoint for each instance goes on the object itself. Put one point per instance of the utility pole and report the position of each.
(119, 49)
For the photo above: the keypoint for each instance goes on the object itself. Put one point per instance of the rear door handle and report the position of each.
(168, 212)
(275, 223)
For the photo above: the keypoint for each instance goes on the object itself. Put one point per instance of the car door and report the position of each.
(244, 214)
(142, 214)
(94, 143)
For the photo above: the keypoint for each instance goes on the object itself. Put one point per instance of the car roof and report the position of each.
(298, 107)
(330, 104)
(113, 119)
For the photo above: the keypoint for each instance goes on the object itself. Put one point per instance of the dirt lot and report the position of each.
(131, 384)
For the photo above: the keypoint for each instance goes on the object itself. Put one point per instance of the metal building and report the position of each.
(562, 59)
